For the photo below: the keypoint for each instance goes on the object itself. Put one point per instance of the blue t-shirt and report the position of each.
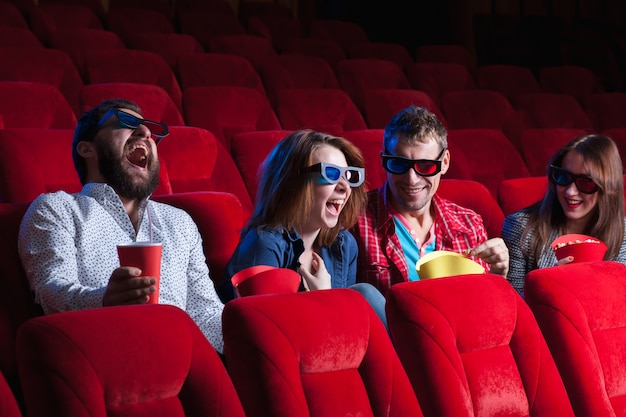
(412, 252)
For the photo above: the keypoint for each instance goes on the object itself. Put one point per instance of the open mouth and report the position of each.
(137, 154)
(334, 206)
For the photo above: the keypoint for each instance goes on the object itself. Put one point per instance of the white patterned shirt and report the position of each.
(68, 246)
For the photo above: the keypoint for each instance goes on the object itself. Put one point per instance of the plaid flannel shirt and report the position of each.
(381, 258)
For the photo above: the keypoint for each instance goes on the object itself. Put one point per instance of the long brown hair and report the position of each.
(285, 192)
(604, 166)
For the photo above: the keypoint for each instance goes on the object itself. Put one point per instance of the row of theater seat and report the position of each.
(458, 346)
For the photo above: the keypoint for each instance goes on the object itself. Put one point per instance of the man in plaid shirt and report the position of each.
(405, 219)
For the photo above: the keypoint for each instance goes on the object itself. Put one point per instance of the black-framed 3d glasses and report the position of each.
(332, 174)
(563, 177)
(127, 120)
(400, 165)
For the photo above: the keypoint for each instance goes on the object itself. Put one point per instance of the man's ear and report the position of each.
(445, 163)
(86, 149)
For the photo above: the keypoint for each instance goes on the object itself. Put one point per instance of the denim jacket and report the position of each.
(282, 248)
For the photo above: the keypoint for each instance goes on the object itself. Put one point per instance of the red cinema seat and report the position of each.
(120, 361)
(254, 48)
(327, 49)
(11, 16)
(578, 82)
(370, 143)
(154, 101)
(619, 137)
(389, 51)
(457, 54)
(204, 25)
(356, 76)
(212, 68)
(342, 32)
(122, 19)
(380, 105)
(30, 104)
(510, 80)
(249, 150)
(483, 109)
(78, 42)
(275, 28)
(538, 146)
(18, 36)
(550, 110)
(325, 110)
(474, 196)
(8, 403)
(580, 310)
(95, 5)
(218, 108)
(132, 66)
(47, 19)
(437, 78)
(171, 46)
(315, 365)
(606, 110)
(490, 155)
(288, 71)
(45, 66)
(471, 346)
(517, 193)
(199, 162)
(164, 7)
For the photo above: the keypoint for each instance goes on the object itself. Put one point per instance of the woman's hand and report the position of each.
(318, 277)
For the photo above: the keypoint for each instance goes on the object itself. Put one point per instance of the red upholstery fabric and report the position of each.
(36, 161)
(325, 110)
(254, 48)
(197, 161)
(132, 66)
(475, 196)
(538, 146)
(8, 404)
(516, 193)
(471, 346)
(550, 110)
(389, 51)
(380, 105)
(218, 108)
(95, 5)
(580, 309)
(356, 76)
(491, 156)
(315, 365)
(47, 19)
(17, 303)
(123, 361)
(296, 71)
(470, 109)
(619, 137)
(579, 82)
(510, 80)
(30, 104)
(606, 110)
(446, 53)
(437, 78)
(171, 46)
(10, 15)
(122, 19)
(77, 42)
(18, 36)
(275, 28)
(219, 217)
(249, 150)
(327, 49)
(205, 25)
(43, 65)
(154, 101)
(218, 69)
(342, 32)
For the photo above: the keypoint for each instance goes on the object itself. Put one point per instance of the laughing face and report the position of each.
(577, 207)
(127, 159)
(330, 199)
(412, 192)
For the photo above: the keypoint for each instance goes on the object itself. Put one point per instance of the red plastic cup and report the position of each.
(582, 247)
(145, 256)
(264, 279)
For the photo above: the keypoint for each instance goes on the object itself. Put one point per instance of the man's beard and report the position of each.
(122, 182)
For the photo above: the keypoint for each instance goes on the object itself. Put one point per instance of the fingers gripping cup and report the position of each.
(145, 256)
